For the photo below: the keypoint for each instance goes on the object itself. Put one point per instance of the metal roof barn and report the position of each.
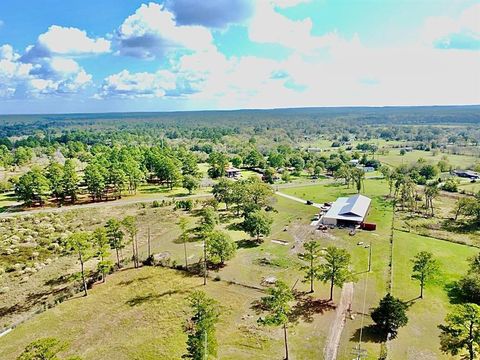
(347, 210)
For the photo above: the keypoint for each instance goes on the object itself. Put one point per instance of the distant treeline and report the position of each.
(214, 124)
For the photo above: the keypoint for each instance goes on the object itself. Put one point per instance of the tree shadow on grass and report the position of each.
(460, 227)
(369, 334)
(61, 280)
(247, 244)
(234, 227)
(454, 293)
(142, 299)
(131, 281)
(307, 306)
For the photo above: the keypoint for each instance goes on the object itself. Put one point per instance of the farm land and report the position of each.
(41, 294)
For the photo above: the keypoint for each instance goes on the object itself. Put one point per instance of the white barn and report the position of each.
(347, 211)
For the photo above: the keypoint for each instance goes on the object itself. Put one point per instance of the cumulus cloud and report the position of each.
(65, 41)
(12, 72)
(212, 14)
(138, 85)
(152, 32)
(48, 67)
(462, 32)
(268, 26)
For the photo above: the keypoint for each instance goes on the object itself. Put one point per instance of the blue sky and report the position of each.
(129, 55)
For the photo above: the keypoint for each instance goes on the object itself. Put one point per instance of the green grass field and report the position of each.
(139, 314)
(419, 339)
(394, 158)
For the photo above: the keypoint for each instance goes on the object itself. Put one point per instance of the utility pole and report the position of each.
(370, 257)
(149, 248)
(204, 260)
(205, 346)
(359, 352)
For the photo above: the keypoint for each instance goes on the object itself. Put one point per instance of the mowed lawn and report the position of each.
(419, 339)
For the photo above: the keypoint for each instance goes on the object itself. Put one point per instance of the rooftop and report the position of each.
(352, 208)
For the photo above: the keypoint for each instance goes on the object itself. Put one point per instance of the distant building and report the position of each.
(233, 172)
(347, 211)
(354, 162)
(366, 168)
(467, 174)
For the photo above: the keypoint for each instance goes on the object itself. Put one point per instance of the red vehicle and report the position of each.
(368, 226)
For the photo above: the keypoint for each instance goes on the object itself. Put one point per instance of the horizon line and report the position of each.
(245, 109)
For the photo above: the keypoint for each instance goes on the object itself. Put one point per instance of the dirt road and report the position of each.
(121, 202)
(336, 329)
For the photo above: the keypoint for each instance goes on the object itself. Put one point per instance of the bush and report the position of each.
(184, 205)
(450, 185)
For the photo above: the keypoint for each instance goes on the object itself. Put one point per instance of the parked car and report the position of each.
(309, 202)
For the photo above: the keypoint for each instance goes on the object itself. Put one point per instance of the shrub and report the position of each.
(450, 185)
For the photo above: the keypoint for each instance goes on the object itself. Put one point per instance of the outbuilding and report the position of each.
(347, 211)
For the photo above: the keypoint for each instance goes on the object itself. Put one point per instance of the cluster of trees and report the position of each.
(402, 182)
(468, 208)
(335, 268)
(110, 171)
(351, 174)
(115, 235)
(468, 287)
(15, 157)
(248, 198)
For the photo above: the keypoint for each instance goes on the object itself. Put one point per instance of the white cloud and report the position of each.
(12, 72)
(444, 31)
(137, 85)
(268, 26)
(72, 41)
(152, 32)
(47, 67)
(63, 41)
(287, 3)
(56, 75)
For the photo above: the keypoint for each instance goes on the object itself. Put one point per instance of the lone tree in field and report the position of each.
(200, 328)
(336, 268)
(209, 218)
(461, 333)
(310, 256)
(115, 237)
(220, 247)
(130, 225)
(258, 223)
(190, 183)
(81, 244)
(276, 303)
(390, 315)
(425, 267)
(102, 248)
